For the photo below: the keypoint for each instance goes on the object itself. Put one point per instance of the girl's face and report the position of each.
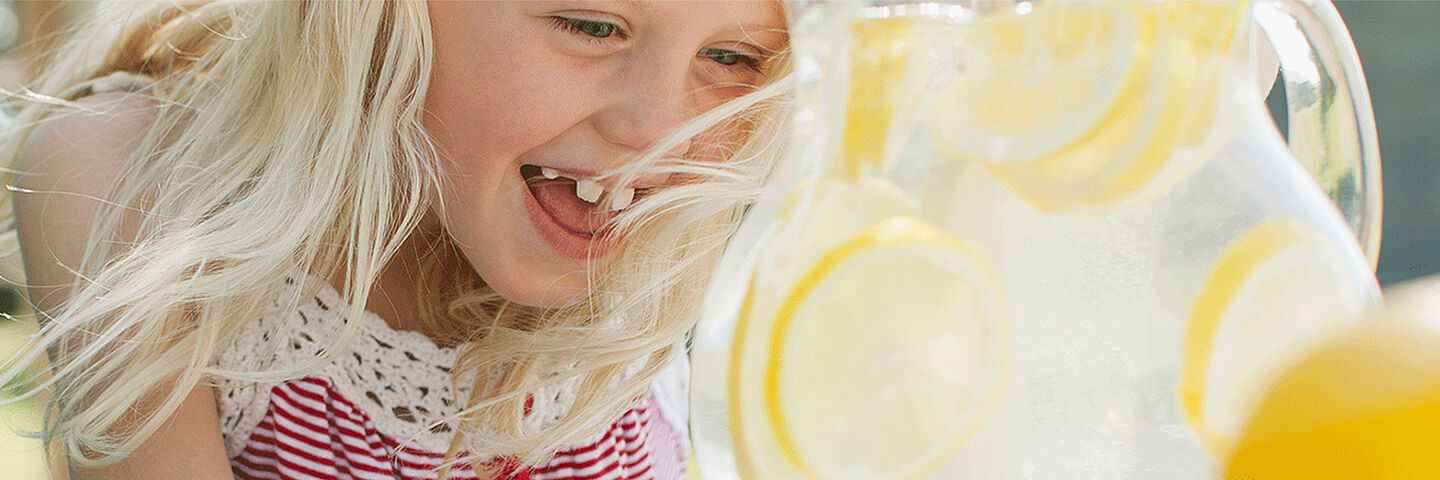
(522, 91)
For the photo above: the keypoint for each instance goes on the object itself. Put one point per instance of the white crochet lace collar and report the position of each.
(401, 379)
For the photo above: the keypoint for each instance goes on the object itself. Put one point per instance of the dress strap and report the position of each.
(120, 82)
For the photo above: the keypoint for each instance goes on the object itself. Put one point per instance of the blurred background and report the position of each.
(27, 29)
(1399, 46)
(1398, 43)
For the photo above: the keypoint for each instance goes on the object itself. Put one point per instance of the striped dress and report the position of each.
(364, 415)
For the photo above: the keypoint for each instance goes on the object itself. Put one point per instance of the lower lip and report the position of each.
(565, 242)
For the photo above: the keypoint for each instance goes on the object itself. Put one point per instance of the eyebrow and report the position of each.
(750, 29)
(637, 4)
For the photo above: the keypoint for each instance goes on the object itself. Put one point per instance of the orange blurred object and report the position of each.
(1364, 406)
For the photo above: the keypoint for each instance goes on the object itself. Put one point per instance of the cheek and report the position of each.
(489, 104)
(718, 143)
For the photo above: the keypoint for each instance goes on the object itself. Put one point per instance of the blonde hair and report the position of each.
(283, 143)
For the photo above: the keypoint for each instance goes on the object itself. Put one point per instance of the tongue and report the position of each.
(558, 198)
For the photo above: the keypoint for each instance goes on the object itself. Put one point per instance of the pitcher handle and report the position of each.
(1331, 123)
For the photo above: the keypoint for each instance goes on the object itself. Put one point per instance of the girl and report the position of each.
(385, 239)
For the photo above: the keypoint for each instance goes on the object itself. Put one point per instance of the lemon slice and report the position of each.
(819, 214)
(877, 64)
(1006, 106)
(885, 356)
(816, 216)
(1075, 106)
(1271, 295)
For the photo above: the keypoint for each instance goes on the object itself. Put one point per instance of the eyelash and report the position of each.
(746, 60)
(580, 28)
(577, 26)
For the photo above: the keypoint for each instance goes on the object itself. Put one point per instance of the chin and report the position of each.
(547, 300)
(554, 292)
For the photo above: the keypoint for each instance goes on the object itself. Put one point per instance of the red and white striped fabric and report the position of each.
(310, 432)
(382, 388)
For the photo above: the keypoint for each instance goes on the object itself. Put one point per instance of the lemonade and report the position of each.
(940, 362)
(1271, 296)
(1057, 241)
(1123, 119)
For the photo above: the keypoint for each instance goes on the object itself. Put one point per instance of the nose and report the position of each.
(647, 102)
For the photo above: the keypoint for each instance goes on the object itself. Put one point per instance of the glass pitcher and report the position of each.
(1037, 240)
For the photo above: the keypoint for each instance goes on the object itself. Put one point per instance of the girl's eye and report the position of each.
(731, 57)
(595, 30)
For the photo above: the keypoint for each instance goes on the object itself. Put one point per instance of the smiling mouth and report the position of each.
(576, 204)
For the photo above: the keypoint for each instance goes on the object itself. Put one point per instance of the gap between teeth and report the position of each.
(591, 190)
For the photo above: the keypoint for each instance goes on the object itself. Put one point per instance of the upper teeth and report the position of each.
(590, 190)
(622, 198)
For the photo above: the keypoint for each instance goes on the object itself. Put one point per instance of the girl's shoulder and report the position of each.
(64, 170)
(84, 142)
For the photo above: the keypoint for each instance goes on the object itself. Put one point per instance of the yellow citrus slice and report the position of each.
(1273, 293)
(877, 64)
(885, 356)
(816, 216)
(1365, 406)
(1006, 106)
(1079, 105)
